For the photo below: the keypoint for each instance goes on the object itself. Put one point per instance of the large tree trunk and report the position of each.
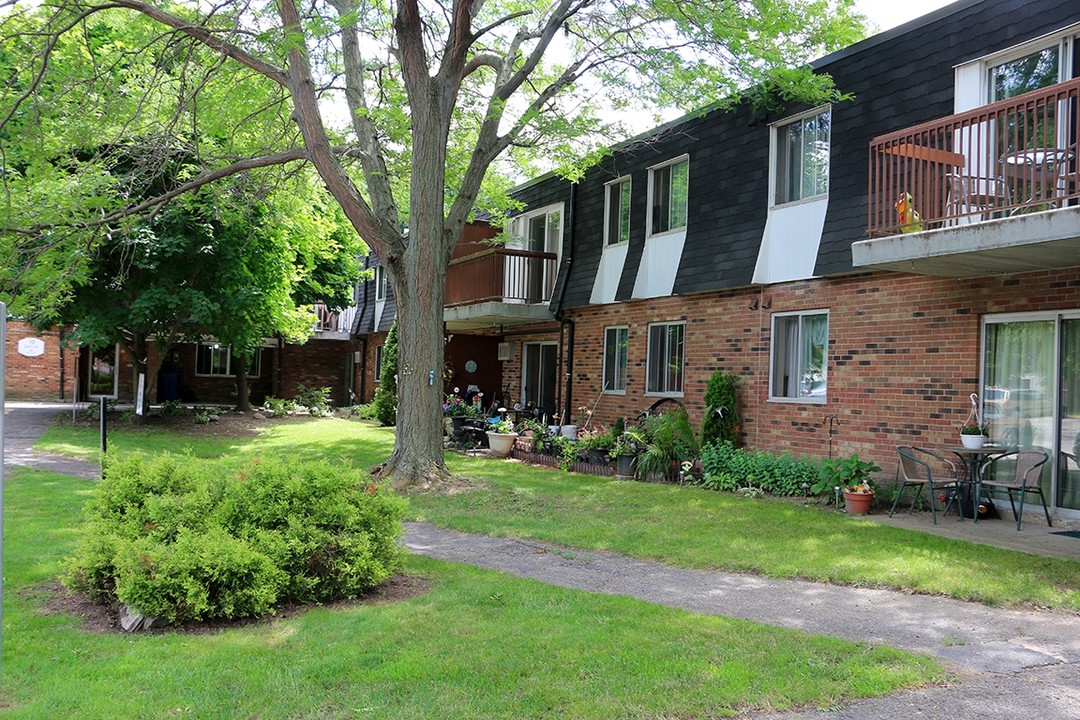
(419, 277)
(240, 372)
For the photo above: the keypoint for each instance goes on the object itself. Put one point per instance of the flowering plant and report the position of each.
(503, 426)
(455, 405)
(850, 473)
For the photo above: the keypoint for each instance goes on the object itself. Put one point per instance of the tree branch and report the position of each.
(198, 181)
(208, 38)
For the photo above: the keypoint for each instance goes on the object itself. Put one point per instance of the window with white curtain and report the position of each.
(799, 365)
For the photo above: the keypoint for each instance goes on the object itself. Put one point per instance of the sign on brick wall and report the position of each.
(31, 347)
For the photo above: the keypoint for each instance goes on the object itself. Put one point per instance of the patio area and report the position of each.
(1034, 537)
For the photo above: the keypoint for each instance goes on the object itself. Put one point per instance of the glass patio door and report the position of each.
(1031, 395)
(538, 381)
(1067, 493)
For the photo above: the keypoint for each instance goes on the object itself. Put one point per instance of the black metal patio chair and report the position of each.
(915, 469)
(1022, 477)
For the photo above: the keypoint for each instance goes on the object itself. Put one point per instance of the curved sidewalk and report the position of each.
(24, 423)
(1013, 663)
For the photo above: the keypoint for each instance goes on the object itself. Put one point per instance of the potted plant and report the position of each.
(595, 444)
(852, 474)
(666, 440)
(501, 437)
(973, 435)
(623, 451)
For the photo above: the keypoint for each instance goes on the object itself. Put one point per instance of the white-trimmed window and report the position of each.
(380, 283)
(666, 359)
(799, 365)
(616, 341)
(215, 360)
(378, 363)
(801, 157)
(669, 189)
(617, 227)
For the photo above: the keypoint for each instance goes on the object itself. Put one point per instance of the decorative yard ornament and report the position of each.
(910, 219)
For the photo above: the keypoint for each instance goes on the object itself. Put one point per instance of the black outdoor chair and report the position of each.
(1022, 477)
(916, 471)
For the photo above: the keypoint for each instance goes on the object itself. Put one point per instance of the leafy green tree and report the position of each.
(436, 94)
(722, 422)
(226, 266)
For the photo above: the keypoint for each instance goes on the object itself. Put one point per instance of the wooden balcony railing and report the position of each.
(1011, 157)
(502, 275)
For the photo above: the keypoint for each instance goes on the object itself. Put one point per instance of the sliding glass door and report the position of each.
(1031, 393)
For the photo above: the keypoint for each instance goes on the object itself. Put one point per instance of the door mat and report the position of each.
(1067, 533)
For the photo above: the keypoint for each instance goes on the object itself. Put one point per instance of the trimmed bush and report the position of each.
(726, 467)
(721, 394)
(173, 538)
(385, 400)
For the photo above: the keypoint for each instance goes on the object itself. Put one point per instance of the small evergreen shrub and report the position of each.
(173, 538)
(722, 422)
(726, 467)
(316, 400)
(385, 401)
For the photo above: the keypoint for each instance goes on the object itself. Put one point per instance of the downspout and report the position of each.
(564, 323)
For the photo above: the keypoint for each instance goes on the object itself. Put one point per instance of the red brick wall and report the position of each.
(316, 364)
(47, 377)
(903, 355)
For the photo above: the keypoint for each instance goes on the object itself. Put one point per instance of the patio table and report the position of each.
(972, 459)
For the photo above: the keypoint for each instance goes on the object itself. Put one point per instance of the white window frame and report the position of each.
(256, 356)
(380, 283)
(613, 191)
(665, 392)
(773, 344)
(615, 388)
(777, 147)
(649, 220)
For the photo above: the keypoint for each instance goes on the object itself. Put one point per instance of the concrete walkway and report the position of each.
(24, 423)
(1012, 664)
(1008, 663)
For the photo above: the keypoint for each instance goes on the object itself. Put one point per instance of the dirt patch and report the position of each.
(95, 617)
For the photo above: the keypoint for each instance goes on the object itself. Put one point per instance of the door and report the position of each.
(538, 381)
(1067, 493)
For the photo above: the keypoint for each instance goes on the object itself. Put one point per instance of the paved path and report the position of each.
(24, 423)
(1012, 663)
(1009, 664)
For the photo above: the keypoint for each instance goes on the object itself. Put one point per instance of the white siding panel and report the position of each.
(790, 244)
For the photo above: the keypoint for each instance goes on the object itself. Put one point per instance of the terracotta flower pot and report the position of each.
(857, 503)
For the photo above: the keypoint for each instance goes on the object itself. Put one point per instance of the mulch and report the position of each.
(95, 617)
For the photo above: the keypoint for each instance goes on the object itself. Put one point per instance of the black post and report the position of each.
(104, 434)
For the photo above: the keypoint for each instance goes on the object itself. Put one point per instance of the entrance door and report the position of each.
(538, 376)
(102, 377)
(1068, 488)
(1031, 395)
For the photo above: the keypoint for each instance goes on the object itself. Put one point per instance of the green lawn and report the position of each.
(682, 526)
(477, 645)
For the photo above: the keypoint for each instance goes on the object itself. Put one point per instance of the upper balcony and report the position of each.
(330, 324)
(991, 190)
(499, 286)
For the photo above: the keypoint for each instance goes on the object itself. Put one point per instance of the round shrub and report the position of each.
(175, 538)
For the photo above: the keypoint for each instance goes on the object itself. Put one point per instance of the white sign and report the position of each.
(139, 394)
(31, 347)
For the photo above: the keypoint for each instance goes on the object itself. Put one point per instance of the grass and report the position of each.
(682, 526)
(479, 644)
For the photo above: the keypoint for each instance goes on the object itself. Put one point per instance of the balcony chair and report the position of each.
(973, 199)
(1023, 478)
(915, 469)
